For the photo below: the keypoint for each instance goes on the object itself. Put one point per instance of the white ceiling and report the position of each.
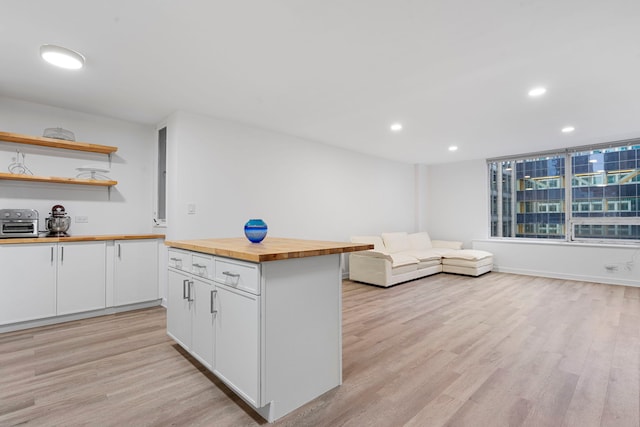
(340, 72)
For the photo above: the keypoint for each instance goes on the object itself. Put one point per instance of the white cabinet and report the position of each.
(28, 282)
(45, 280)
(81, 277)
(237, 347)
(179, 308)
(202, 294)
(190, 304)
(135, 271)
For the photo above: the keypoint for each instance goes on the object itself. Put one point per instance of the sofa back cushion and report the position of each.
(396, 242)
(420, 240)
(376, 241)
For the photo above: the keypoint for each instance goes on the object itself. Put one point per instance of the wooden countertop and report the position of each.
(270, 249)
(87, 238)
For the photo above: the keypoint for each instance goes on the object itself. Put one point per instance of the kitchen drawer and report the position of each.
(180, 260)
(202, 265)
(237, 274)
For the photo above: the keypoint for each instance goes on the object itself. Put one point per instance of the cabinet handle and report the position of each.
(184, 288)
(189, 295)
(199, 265)
(174, 258)
(230, 274)
(119, 251)
(213, 294)
(51, 254)
(62, 255)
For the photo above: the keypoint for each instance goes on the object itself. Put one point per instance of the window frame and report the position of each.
(158, 187)
(571, 222)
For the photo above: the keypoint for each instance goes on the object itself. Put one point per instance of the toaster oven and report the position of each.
(18, 223)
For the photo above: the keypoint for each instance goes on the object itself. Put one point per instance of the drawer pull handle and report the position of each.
(201, 269)
(174, 258)
(213, 295)
(189, 295)
(184, 288)
(230, 274)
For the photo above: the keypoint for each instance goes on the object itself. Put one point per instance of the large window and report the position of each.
(583, 194)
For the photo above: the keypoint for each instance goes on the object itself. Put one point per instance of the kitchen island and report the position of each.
(265, 318)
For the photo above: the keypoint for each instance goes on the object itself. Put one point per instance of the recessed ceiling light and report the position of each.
(396, 127)
(61, 56)
(568, 129)
(537, 91)
(453, 148)
(593, 161)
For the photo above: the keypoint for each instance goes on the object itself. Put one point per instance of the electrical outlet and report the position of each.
(191, 208)
(82, 219)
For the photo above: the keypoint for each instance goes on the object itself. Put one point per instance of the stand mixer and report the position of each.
(58, 223)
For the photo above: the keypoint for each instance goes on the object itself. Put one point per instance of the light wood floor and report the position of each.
(499, 350)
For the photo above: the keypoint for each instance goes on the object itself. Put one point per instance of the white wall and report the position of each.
(301, 189)
(458, 210)
(457, 201)
(129, 209)
(567, 260)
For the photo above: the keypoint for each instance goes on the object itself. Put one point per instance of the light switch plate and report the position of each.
(82, 219)
(191, 208)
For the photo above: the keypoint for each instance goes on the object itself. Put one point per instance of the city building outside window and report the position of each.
(581, 194)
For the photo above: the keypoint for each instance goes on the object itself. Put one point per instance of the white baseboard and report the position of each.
(556, 275)
(75, 316)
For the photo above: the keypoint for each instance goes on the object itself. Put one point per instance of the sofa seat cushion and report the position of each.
(467, 254)
(400, 259)
(403, 269)
(441, 251)
(429, 263)
(425, 254)
(470, 263)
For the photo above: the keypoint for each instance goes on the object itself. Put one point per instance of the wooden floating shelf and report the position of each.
(56, 143)
(57, 180)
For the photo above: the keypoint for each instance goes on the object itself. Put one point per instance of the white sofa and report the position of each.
(400, 257)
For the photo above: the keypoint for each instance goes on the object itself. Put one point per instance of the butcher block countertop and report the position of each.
(270, 249)
(87, 238)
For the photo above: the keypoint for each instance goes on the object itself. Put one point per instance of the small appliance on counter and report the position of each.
(58, 223)
(18, 223)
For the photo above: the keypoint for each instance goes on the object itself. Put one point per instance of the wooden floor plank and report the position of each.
(450, 350)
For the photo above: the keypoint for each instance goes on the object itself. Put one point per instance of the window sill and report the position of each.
(630, 245)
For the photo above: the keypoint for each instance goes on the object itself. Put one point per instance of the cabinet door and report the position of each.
(135, 271)
(81, 277)
(27, 282)
(202, 318)
(236, 348)
(178, 308)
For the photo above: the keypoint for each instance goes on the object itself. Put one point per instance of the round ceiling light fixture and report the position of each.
(537, 91)
(453, 148)
(61, 57)
(396, 127)
(568, 129)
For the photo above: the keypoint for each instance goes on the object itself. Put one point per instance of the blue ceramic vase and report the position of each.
(255, 230)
